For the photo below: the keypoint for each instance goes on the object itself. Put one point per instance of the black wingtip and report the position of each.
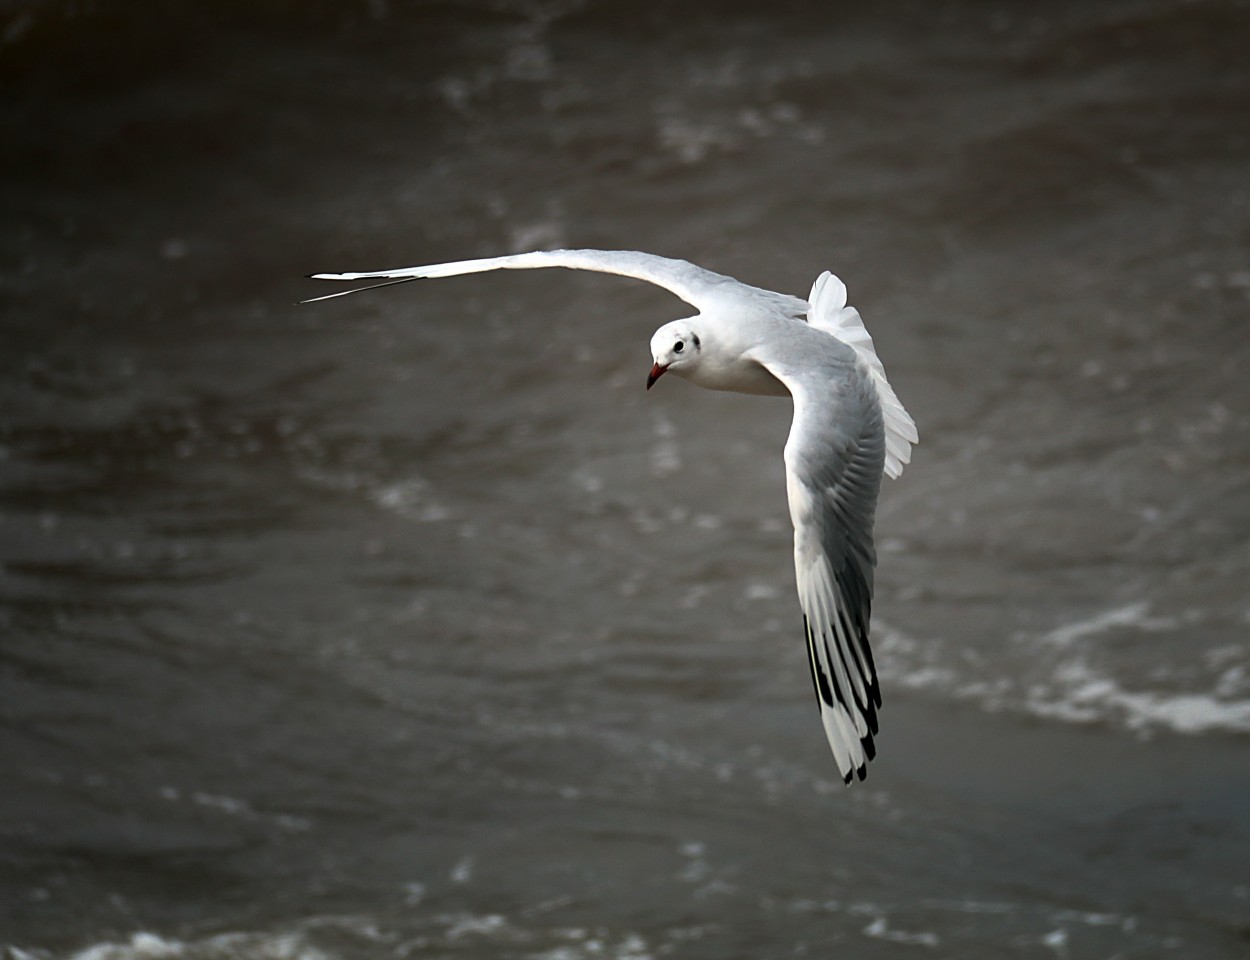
(348, 293)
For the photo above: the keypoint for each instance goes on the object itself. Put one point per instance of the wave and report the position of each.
(1075, 673)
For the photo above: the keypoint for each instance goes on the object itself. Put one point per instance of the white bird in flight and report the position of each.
(848, 429)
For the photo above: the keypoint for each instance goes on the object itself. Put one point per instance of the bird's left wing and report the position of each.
(835, 457)
(828, 311)
(691, 283)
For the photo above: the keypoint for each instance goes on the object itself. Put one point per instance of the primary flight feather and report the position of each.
(849, 429)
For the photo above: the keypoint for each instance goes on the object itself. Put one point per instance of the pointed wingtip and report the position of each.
(350, 276)
(855, 772)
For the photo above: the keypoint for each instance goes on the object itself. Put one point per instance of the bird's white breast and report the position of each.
(741, 376)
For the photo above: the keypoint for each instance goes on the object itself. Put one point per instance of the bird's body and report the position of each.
(848, 430)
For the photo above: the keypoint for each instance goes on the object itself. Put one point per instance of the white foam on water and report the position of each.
(1129, 615)
(1057, 940)
(255, 946)
(1071, 687)
(916, 924)
(1083, 695)
(879, 929)
(462, 872)
(235, 807)
(329, 938)
(483, 926)
(141, 945)
(412, 499)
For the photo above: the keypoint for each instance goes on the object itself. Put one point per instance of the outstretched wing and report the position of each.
(691, 283)
(835, 457)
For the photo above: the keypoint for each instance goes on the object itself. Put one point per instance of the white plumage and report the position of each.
(849, 429)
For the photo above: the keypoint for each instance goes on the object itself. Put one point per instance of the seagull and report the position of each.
(849, 429)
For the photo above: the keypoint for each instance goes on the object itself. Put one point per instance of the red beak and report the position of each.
(657, 371)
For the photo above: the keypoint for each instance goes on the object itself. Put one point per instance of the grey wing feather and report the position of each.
(695, 285)
(834, 459)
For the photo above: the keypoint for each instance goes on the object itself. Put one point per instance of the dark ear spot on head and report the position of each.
(694, 338)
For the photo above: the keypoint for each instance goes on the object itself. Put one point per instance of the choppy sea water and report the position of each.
(409, 625)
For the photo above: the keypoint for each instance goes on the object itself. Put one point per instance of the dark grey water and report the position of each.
(409, 625)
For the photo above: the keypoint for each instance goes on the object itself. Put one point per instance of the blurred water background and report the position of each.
(409, 625)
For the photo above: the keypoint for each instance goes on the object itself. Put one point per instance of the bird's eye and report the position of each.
(678, 347)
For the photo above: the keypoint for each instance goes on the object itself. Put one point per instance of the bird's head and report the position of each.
(675, 346)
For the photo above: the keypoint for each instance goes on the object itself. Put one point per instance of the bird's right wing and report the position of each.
(834, 458)
(691, 283)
